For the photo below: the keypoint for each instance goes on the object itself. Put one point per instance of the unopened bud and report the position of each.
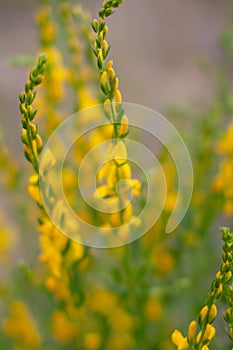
(23, 109)
(107, 106)
(116, 84)
(39, 143)
(105, 31)
(203, 314)
(109, 65)
(220, 289)
(118, 97)
(213, 313)
(29, 110)
(105, 48)
(33, 129)
(192, 330)
(124, 125)
(95, 25)
(104, 77)
(111, 73)
(22, 97)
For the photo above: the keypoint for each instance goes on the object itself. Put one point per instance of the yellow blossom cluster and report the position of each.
(224, 179)
(116, 167)
(7, 239)
(208, 313)
(203, 338)
(56, 74)
(21, 327)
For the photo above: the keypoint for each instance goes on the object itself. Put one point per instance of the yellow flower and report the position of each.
(117, 152)
(124, 125)
(213, 312)
(103, 191)
(63, 329)
(34, 192)
(111, 71)
(124, 171)
(4, 241)
(118, 97)
(179, 340)
(127, 213)
(170, 201)
(103, 78)
(101, 301)
(74, 253)
(192, 330)
(225, 146)
(220, 289)
(85, 99)
(107, 107)
(163, 259)
(109, 65)
(153, 309)
(120, 341)
(48, 31)
(115, 219)
(92, 341)
(205, 347)
(120, 320)
(21, 327)
(50, 283)
(209, 332)
(55, 78)
(203, 312)
(108, 172)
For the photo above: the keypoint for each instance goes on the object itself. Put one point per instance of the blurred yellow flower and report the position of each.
(62, 328)
(153, 309)
(92, 341)
(21, 327)
(101, 301)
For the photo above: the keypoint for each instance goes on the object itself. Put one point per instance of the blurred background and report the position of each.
(165, 52)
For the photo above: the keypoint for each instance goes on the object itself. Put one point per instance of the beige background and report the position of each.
(160, 49)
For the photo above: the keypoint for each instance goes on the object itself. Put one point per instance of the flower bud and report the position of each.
(205, 347)
(95, 25)
(33, 129)
(213, 313)
(105, 31)
(109, 65)
(22, 97)
(209, 332)
(39, 143)
(124, 125)
(111, 73)
(192, 330)
(118, 97)
(107, 106)
(116, 84)
(227, 315)
(103, 78)
(23, 109)
(203, 314)
(220, 289)
(105, 48)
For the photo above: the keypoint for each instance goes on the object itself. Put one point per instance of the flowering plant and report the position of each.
(135, 292)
